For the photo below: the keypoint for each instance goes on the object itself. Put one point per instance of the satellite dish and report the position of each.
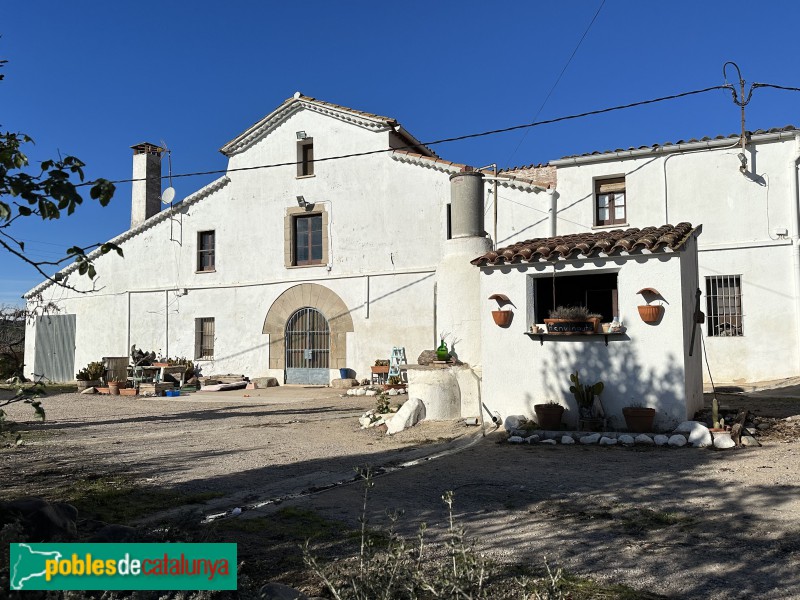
(168, 195)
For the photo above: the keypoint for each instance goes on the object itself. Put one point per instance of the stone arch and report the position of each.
(315, 296)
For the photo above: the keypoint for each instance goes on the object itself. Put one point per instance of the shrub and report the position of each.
(91, 372)
(573, 313)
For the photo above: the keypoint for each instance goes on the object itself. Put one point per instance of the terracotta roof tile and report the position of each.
(651, 239)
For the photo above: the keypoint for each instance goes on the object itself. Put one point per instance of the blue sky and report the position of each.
(93, 78)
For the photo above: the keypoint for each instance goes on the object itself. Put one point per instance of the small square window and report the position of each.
(610, 202)
(205, 250)
(724, 306)
(305, 157)
(204, 338)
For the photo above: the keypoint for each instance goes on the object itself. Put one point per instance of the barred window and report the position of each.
(204, 338)
(724, 305)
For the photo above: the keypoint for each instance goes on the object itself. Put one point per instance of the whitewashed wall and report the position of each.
(740, 215)
(386, 236)
(648, 368)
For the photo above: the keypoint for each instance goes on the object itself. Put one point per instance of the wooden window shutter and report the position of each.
(198, 338)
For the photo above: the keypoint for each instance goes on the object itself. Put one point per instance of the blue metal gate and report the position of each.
(308, 348)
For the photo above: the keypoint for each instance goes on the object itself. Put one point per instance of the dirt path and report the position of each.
(242, 446)
(687, 523)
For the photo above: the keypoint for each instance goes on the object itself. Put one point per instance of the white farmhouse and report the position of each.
(312, 265)
(293, 271)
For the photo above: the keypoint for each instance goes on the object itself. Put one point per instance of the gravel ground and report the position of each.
(251, 445)
(686, 523)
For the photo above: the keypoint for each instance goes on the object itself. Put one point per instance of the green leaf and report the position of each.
(91, 272)
(25, 211)
(103, 190)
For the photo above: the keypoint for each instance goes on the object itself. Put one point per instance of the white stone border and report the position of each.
(688, 433)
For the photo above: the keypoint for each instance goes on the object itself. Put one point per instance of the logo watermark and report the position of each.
(123, 567)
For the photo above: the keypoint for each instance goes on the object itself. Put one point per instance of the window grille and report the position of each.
(724, 306)
(204, 338)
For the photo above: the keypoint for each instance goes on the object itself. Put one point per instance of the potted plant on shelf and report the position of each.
(380, 370)
(572, 320)
(585, 395)
(638, 418)
(90, 375)
(548, 416)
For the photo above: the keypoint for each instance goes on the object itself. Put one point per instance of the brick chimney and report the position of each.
(146, 194)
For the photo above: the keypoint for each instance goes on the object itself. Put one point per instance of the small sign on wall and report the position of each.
(307, 354)
(570, 327)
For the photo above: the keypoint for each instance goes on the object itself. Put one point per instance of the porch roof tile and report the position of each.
(585, 245)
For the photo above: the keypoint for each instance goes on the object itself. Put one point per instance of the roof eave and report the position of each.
(669, 149)
(203, 192)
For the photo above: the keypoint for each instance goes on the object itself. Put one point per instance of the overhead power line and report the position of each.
(444, 140)
(560, 75)
(777, 87)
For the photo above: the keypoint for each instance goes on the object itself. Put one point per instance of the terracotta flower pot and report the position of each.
(650, 313)
(639, 420)
(503, 318)
(548, 416)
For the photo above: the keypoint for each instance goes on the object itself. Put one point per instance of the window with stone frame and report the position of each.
(206, 250)
(305, 234)
(308, 239)
(610, 204)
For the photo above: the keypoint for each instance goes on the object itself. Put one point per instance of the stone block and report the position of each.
(345, 383)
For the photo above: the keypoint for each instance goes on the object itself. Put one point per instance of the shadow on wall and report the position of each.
(628, 380)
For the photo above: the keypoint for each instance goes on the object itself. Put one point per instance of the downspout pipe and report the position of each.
(795, 199)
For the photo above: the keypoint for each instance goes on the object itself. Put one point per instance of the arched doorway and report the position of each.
(308, 347)
(323, 300)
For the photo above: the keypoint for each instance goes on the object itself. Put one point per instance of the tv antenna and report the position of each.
(168, 195)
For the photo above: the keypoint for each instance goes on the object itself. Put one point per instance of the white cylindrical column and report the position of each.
(457, 281)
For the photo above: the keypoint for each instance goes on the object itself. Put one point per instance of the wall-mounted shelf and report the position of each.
(583, 337)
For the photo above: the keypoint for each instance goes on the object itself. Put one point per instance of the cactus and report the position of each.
(584, 394)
